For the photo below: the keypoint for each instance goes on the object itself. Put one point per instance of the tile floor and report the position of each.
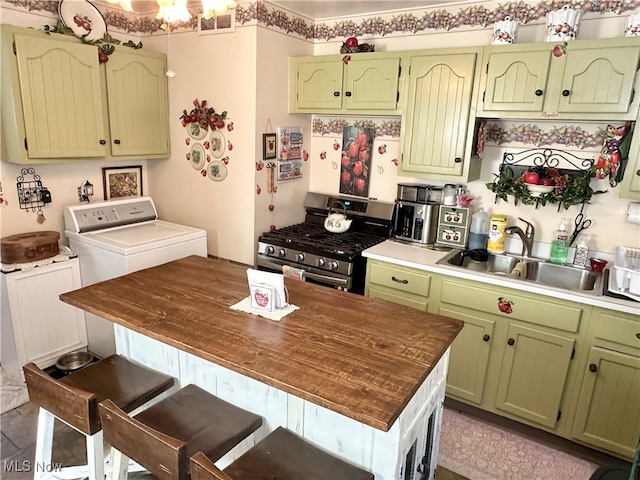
(18, 431)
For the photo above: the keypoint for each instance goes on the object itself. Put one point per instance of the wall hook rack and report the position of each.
(32, 195)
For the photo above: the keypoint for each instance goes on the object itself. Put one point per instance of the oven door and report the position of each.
(311, 274)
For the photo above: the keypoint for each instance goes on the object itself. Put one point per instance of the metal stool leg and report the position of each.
(44, 444)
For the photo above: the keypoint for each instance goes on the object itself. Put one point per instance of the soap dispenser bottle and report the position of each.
(560, 244)
(581, 257)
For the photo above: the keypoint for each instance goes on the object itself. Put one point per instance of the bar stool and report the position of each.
(74, 399)
(164, 436)
(282, 455)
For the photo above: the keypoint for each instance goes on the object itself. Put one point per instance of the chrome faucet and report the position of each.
(526, 237)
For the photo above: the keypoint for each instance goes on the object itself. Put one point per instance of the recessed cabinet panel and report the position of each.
(61, 98)
(371, 84)
(601, 79)
(138, 107)
(439, 101)
(469, 356)
(320, 85)
(533, 374)
(517, 81)
(607, 415)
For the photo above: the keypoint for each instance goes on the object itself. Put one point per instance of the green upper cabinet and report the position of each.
(438, 125)
(60, 104)
(368, 83)
(585, 79)
(516, 81)
(61, 98)
(138, 104)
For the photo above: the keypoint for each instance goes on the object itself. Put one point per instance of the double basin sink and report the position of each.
(527, 269)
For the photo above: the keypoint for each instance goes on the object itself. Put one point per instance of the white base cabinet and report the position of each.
(36, 325)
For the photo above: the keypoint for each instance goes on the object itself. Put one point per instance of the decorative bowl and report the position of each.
(537, 190)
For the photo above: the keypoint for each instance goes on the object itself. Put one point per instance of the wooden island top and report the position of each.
(361, 357)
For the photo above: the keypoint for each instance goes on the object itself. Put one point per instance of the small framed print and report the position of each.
(121, 182)
(269, 146)
(220, 23)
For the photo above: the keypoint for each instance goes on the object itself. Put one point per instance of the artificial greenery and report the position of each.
(104, 44)
(574, 189)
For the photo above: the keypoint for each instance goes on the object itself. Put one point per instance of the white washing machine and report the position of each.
(122, 236)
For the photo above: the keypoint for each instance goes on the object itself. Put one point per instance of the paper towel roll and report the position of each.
(633, 215)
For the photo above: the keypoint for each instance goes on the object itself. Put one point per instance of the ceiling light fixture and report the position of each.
(212, 7)
(173, 10)
(124, 4)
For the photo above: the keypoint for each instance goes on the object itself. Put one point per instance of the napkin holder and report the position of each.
(267, 290)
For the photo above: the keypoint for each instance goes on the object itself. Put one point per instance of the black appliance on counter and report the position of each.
(331, 259)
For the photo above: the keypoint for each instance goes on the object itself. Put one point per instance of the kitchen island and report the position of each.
(361, 378)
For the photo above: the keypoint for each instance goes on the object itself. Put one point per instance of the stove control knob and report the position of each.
(333, 265)
(320, 262)
(300, 257)
(270, 250)
(282, 253)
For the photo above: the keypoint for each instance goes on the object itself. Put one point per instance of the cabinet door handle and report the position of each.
(566, 93)
(116, 141)
(511, 341)
(347, 94)
(638, 335)
(486, 337)
(404, 281)
(102, 142)
(593, 367)
(457, 160)
(637, 172)
(336, 94)
(539, 93)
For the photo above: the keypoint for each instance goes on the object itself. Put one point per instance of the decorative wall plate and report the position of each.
(197, 156)
(217, 171)
(196, 131)
(83, 18)
(217, 143)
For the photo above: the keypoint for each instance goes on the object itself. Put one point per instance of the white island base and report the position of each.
(408, 450)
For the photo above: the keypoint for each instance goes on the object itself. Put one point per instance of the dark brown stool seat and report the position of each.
(281, 455)
(75, 398)
(164, 436)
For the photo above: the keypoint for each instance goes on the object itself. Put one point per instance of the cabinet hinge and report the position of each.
(573, 353)
(14, 48)
(487, 69)
(397, 97)
(559, 415)
(483, 93)
(399, 70)
(26, 146)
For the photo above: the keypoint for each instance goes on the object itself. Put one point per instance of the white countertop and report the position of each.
(420, 257)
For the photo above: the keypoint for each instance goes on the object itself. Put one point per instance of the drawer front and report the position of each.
(505, 303)
(618, 329)
(399, 278)
(419, 303)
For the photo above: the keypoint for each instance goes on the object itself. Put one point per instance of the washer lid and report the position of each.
(140, 237)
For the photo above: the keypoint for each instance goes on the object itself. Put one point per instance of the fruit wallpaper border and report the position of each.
(410, 22)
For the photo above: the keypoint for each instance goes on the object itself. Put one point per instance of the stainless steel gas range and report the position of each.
(332, 259)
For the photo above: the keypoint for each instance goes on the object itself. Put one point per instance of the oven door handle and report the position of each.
(338, 282)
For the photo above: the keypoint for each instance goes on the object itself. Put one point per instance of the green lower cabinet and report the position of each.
(469, 357)
(533, 374)
(608, 413)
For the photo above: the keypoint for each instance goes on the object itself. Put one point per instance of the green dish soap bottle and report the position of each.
(560, 244)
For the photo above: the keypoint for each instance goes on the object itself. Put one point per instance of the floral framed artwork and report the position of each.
(269, 144)
(121, 182)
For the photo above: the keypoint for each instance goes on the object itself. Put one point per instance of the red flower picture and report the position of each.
(356, 160)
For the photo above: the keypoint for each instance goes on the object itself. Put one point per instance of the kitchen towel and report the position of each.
(292, 272)
(244, 305)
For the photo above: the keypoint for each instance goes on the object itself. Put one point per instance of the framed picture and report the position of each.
(120, 182)
(269, 143)
(221, 23)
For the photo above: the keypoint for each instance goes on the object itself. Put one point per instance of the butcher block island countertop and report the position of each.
(354, 355)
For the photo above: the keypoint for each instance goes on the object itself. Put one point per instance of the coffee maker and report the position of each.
(416, 212)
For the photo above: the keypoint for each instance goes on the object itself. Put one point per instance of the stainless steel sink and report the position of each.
(562, 276)
(537, 270)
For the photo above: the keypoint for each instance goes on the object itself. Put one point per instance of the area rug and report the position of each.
(480, 451)
(12, 392)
